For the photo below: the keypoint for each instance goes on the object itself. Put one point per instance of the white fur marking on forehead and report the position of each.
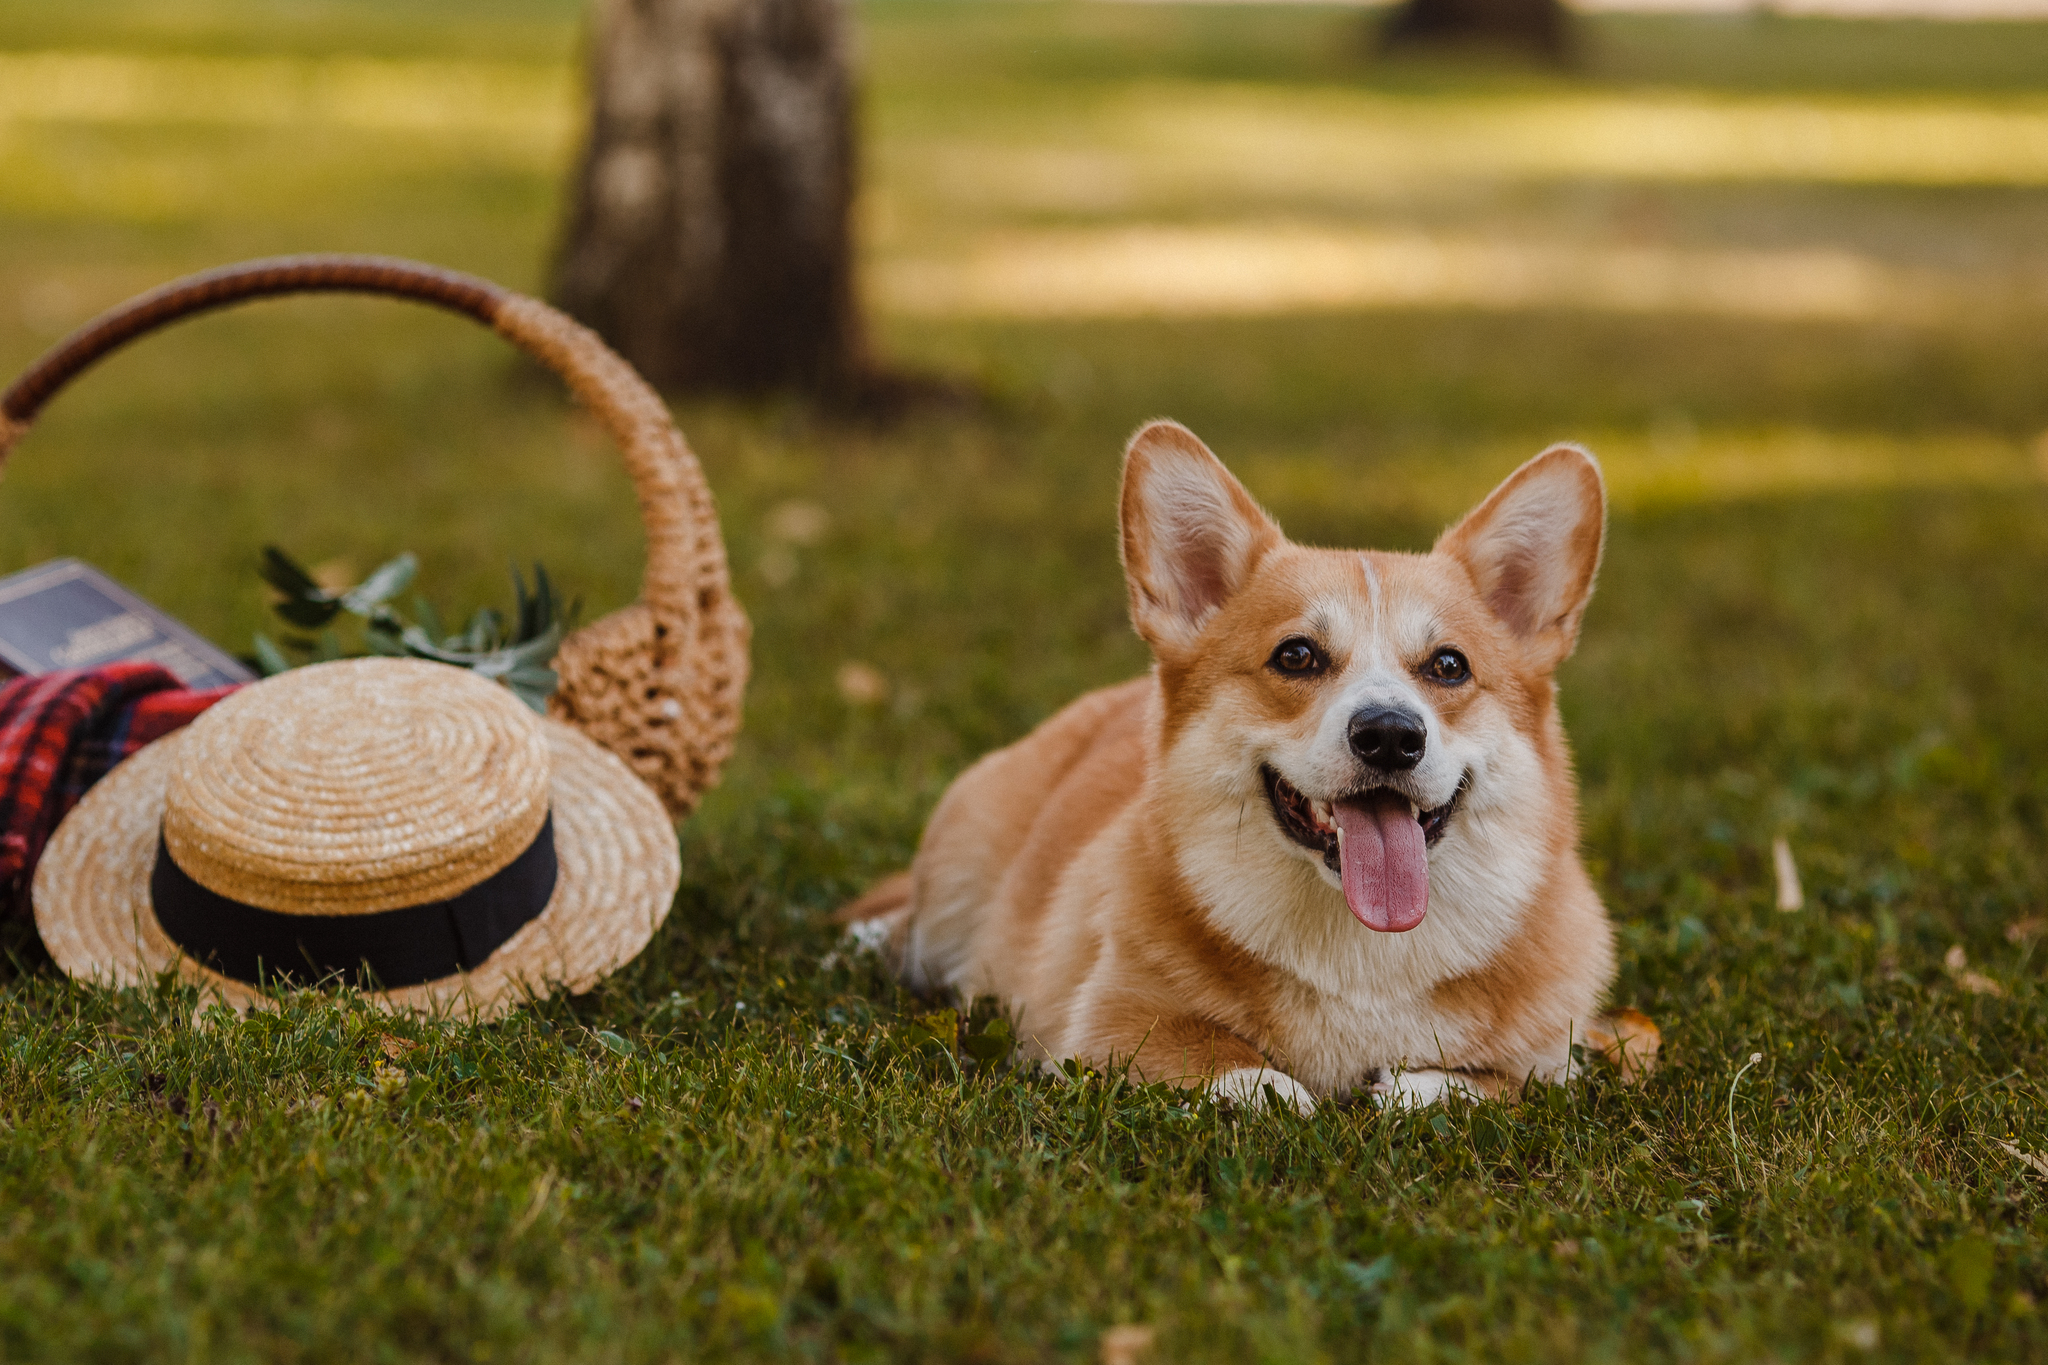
(1375, 600)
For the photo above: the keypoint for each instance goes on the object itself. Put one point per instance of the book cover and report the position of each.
(67, 614)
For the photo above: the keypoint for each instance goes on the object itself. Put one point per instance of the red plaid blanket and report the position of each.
(59, 734)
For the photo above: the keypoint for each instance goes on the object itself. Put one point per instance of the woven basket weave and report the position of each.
(659, 682)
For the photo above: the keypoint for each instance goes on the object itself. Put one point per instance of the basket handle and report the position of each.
(675, 501)
(659, 682)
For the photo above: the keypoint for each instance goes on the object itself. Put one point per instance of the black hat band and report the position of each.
(381, 951)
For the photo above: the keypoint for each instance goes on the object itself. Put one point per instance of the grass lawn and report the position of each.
(1789, 278)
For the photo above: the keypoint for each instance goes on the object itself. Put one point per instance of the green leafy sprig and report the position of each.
(517, 653)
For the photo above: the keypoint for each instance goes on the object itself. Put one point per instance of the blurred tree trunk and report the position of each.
(1539, 26)
(710, 237)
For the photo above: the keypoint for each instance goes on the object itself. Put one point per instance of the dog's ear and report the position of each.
(1533, 547)
(1191, 534)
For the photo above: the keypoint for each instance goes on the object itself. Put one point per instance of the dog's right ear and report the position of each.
(1191, 534)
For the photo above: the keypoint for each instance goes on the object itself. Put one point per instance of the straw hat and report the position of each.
(408, 825)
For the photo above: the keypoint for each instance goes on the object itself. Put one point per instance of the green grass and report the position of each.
(1821, 616)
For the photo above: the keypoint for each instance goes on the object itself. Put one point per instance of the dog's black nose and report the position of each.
(1389, 739)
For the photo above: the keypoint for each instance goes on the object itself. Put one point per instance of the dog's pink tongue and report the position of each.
(1386, 873)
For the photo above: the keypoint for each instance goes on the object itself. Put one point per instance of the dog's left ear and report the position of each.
(1533, 547)
(1191, 534)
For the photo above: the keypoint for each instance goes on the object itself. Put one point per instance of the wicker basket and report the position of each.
(659, 682)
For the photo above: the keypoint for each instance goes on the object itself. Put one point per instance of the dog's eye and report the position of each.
(1447, 666)
(1297, 656)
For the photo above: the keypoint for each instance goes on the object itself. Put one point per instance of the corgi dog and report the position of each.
(1327, 846)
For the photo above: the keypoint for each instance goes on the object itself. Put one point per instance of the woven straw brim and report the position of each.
(619, 869)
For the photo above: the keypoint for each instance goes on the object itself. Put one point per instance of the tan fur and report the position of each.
(1118, 877)
(889, 896)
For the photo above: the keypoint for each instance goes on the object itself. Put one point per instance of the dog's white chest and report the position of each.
(1359, 1002)
(1334, 1045)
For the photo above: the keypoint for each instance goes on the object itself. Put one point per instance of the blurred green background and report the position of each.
(1787, 277)
(1767, 268)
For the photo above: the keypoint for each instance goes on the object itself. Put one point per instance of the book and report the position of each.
(67, 614)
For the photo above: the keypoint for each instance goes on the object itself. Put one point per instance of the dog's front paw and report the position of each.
(1416, 1089)
(1247, 1087)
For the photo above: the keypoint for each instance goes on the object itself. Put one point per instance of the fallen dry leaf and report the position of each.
(1629, 1039)
(1790, 896)
(798, 522)
(862, 684)
(1126, 1345)
(2033, 1161)
(1958, 964)
(394, 1047)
